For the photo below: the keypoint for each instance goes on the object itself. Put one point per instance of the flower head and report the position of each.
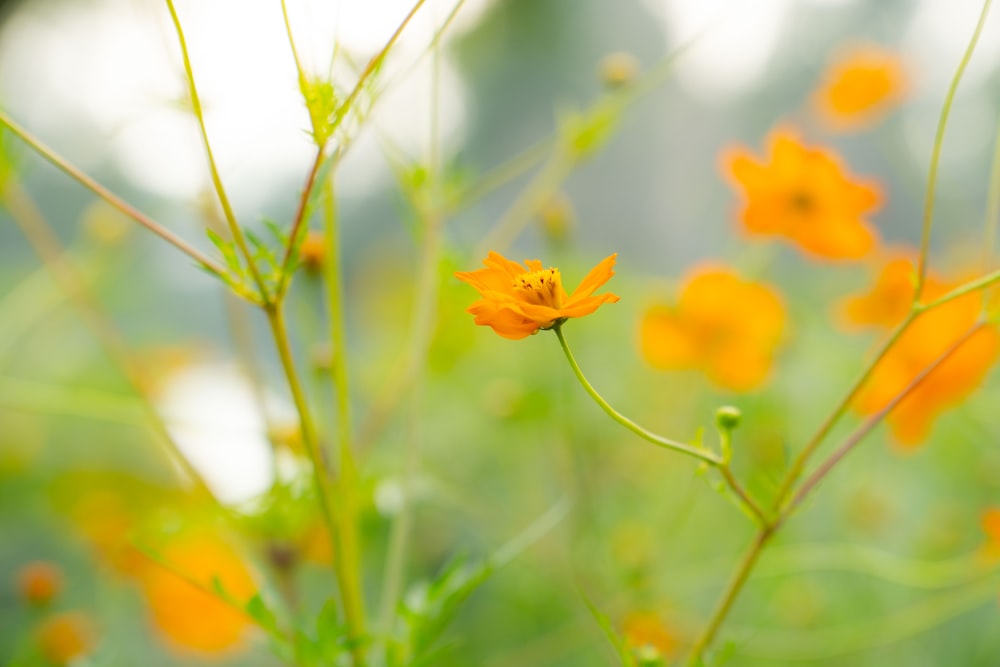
(647, 636)
(990, 522)
(519, 300)
(805, 195)
(39, 582)
(65, 638)
(189, 616)
(860, 86)
(931, 335)
(726, 326)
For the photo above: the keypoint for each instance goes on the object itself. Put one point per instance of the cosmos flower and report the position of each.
(725, 326)
(805, 195)
(517, 301)
(186, 613)
(859, 87)
(65, 638)
(39, 582)
(648, 637)
(927, 338)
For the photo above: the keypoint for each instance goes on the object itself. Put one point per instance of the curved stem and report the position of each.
(698, 453)
(925, 234)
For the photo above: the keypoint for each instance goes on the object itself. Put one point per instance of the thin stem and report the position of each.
(340, 533)
(729, 596)
(799, 464)
(744, 496)
(698, 453)
(992, 206)
(46, 245)
(291, 43)
(297, 222)
(971, 286)
(374, 64)
(855, 438)
(75, 173)
(925, 234)
(234, 228)
(350, 557)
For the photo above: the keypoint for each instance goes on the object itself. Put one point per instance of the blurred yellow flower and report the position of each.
(991, 526)
(860, 86)
(517, 301)
(65, 638)
(805, 195)
(647, 635)
(725, 326)
(39, 582)
(926, 339)
(313, 251)
(187, 614)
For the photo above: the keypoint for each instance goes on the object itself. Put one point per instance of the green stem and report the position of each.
(338, 517)
(925, 234)
(698, 453)
(86, 181)
(729, 596)
(349, 478)
(744, 496)
(234, 228)
(799, 464)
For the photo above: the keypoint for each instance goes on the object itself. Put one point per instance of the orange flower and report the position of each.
(65, 638)
(725, 326)
(38, 582)
(518, 301)
(313, 251)
(926, 339)
(991, 526)
(646, 634)
(859, 87)
(805, 195)
(187, 614)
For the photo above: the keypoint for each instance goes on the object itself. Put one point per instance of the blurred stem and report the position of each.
(744, 496)
(56, 259)
(799, 464)
(421, 331)
(73, 172)
(234, 227)
(699, 453)
(858, 435)
(349, 566)
(992, 210)
(503, 173)
(925, 234)
(297, 222)
(303, 82)
(766, 532)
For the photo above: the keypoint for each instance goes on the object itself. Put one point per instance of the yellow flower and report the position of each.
(517, 301)
(723, 325)
(187, 614)
(805, 195)
(647, 635)
(860, 86)
(313, 251)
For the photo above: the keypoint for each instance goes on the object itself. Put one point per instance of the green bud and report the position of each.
(727, 418)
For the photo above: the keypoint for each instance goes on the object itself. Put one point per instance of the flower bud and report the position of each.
(727, 418)
(618, 69)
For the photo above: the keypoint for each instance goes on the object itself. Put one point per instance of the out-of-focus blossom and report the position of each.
(65, 638)
(517, 301)
(313, 251)
(183, 609)
(648, 636)
(927, 338)
(723, 325)
(39, 582)
(805, 195)
(859, 87)
(991, 527)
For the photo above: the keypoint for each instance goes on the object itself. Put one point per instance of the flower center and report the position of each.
(543, 288)
(802, 202)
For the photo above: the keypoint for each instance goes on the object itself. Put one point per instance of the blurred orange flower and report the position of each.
(517, 301)
(991, 526)
(805, 195)
(646, 633)
(313, 251)
(927, 338)
(39, 581)
(186, 613)
(859, 87)
(725, 326)
(65, 638)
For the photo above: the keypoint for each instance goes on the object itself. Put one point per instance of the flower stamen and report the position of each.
(543, 288)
